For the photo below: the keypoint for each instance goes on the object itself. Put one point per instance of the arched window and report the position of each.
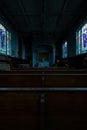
(64, 50)
(2, 39)
(81, 40)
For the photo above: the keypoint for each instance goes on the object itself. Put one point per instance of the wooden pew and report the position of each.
(47, 71)
(23, 79)
(57, 109)
(20, 80)
(19, 110)
(50, 71)
(66, 110)
(65, 80)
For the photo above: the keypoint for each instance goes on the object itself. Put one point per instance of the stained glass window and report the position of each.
(8, 43)
(84, 38)
(64, 50)
(81, 40)
(2, 39)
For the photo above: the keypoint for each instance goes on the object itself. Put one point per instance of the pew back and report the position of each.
(60, 110)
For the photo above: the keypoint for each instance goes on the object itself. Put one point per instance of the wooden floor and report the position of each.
(43, 101)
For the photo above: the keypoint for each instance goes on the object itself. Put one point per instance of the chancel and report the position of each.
(43, 64)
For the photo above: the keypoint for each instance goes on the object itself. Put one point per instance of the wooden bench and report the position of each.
(26, 79)
(46, 109)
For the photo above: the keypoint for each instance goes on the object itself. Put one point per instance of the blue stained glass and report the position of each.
(2, 40)
(64, 50)
(1, 31)
(85, 36)
(82, 41)
(85, 40)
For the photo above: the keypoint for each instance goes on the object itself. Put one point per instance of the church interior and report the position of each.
(43, 64)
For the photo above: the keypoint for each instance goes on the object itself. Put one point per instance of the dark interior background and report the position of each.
(45, 21)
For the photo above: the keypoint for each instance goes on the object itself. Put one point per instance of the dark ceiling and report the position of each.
(43, 19)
